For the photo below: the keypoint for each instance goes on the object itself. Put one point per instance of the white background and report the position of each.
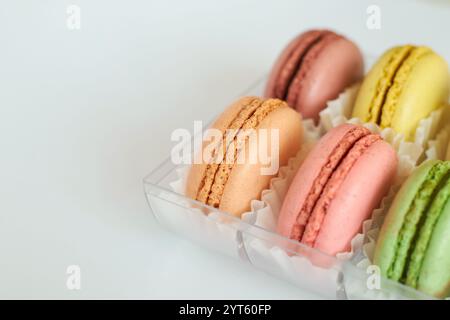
(85, 115)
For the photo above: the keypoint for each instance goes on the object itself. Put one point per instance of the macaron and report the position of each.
(314, 68)
(403, 87)
(340, 183)
(231, 172)
(414, 242)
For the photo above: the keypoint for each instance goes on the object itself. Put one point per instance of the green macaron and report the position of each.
(414, 242)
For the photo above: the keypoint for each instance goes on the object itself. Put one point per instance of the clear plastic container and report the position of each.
(284, 258)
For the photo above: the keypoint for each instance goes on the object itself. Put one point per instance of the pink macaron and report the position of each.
(340, 183)
(314, 68)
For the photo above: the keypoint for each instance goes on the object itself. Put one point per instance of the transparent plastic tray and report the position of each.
(284, 258)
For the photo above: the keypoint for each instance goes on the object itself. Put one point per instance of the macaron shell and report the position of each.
(401, 71)
(368, 89)
(305, 177)
(360, 193)
(246, 182)
(286, 54)
(303, 69)
(198, 168)
(425, 89)
(385, 250)
(435, 273)
(427, 227)
(338, 65)
(248, 119)
(339, 174)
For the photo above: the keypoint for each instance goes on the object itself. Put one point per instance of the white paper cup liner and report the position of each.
(438, 147)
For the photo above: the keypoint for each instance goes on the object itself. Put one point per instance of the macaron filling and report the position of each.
(217, 173)
(331, 188)
(410, 233)
(390, 85)
(384, 83)
(294, 62)
(296, 67)
(334, 160)
(306, 62)
(219, 152)
(400, 79)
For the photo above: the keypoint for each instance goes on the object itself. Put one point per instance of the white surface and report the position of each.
(84, 115)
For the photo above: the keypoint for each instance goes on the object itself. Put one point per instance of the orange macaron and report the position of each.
(224, 182)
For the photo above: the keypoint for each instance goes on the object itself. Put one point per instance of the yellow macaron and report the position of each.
(403, 87)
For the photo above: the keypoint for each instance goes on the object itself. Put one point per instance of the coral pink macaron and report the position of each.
(340, 183)
(314, 68)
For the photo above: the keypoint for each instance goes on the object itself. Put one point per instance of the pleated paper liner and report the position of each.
(438, 147)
